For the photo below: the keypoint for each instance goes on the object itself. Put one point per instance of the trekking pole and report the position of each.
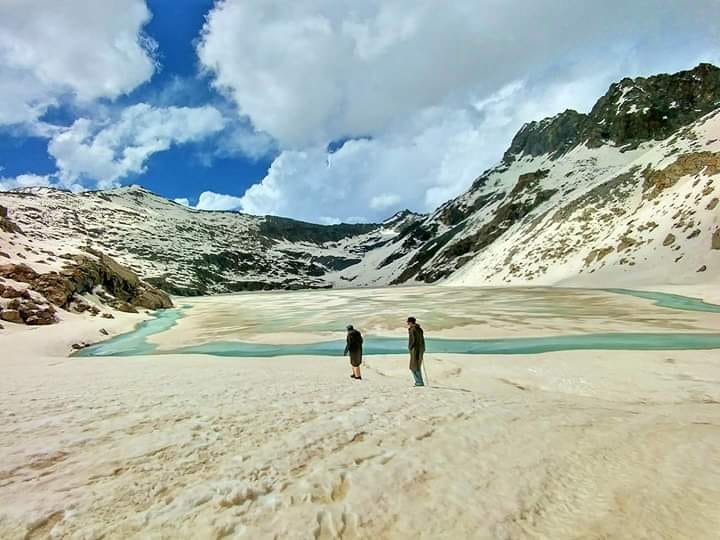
(427, 381)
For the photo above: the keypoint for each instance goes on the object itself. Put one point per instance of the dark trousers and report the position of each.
(418, 377)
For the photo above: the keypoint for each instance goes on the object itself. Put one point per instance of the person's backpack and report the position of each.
(356, 339)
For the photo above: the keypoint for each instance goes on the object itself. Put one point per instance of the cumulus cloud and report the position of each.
(110, 151)
(431, 96)
(311, 72)
(434, 157)
(209, 200)
(183, 201)
(24, 181)
(242, 140)
(75, 48)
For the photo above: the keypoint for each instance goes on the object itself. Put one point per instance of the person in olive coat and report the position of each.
(416, 347)
(354, 347)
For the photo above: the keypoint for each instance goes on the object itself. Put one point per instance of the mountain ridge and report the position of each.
(646, 147)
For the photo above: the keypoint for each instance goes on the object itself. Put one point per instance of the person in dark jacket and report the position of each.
(416, 346)
(354, 347)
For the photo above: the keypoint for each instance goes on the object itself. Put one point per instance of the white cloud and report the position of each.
(384, 201)
(315, 71)
(244, 141)
(107, 153)
(432, 96)
(373, 178)
(23, 181)
(217, 201)
(431, 159)
(184, 201)
(75, 48)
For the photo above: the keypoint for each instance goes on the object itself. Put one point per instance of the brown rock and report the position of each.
(669, 240)
(108, 316)
(6, 291)
(117, 280)
(83, 275)
(655, 182)
(54, 287)
(5, 223)
(11, 315)
(79, 307)
(702, 268)
(18, 272)
(41, 318)
(716, 239)
(626, 242)
(125, 307)
(712, 204)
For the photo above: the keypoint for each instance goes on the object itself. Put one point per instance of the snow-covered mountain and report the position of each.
(628, 192)
(187, 251)
(624, 194)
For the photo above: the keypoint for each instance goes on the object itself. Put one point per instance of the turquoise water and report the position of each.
(135, 342)
(671, 301)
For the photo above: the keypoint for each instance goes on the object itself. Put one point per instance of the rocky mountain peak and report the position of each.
(555, 135)
(401, 220)
(632, 111)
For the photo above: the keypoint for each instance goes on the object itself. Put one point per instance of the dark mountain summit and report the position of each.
(631, 112)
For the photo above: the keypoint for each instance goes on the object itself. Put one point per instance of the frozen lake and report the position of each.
(456, 320)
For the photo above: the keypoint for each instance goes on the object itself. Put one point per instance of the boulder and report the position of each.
(716, 239)
(11, 315)
(125, 307)
(5, 223)
(30, 312)
(18, 272)
(41, 317)
(54, 287)
(6, 291)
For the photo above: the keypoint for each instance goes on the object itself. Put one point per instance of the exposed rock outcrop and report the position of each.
(5, 223)
(82, 274)
(631, 112)
(654, 182)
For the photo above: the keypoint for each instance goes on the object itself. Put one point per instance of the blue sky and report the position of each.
(325, 110)
(182, 170)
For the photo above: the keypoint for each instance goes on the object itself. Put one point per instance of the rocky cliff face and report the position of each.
(629, 189)
(632, 112)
